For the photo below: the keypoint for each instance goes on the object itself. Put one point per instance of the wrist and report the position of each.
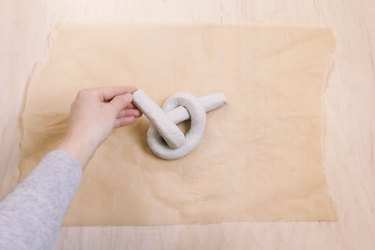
(79, 147)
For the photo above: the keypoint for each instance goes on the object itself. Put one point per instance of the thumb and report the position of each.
(121, 101)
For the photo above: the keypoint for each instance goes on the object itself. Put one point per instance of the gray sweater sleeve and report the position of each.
(31, 215)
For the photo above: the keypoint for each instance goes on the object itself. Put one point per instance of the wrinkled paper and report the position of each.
(261, 155)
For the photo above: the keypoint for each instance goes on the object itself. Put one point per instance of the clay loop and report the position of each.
(164, 137)
(192, 137)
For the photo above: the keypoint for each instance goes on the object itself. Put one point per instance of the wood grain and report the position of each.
(349, 107)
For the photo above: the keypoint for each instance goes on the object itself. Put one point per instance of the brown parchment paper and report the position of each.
(261, 155)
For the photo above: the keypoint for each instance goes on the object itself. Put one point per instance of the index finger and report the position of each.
(108, 93)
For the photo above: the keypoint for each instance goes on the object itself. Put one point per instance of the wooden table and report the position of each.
(349, 108)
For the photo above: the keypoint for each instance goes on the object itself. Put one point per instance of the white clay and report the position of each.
(209, 102)
(166, 127)
(178, 108)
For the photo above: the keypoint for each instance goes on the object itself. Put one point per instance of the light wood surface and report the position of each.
(349, 108)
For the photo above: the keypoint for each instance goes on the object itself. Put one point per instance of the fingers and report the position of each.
(120, 102)
(129, 112)
(126, 117)
(108, 93)
(124, 121)
(131, 106)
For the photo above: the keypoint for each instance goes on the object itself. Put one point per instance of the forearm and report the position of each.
(31, 215)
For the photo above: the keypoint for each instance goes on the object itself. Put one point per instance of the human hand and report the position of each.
(93, 116)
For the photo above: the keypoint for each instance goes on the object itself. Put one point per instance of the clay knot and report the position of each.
(164, 137)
